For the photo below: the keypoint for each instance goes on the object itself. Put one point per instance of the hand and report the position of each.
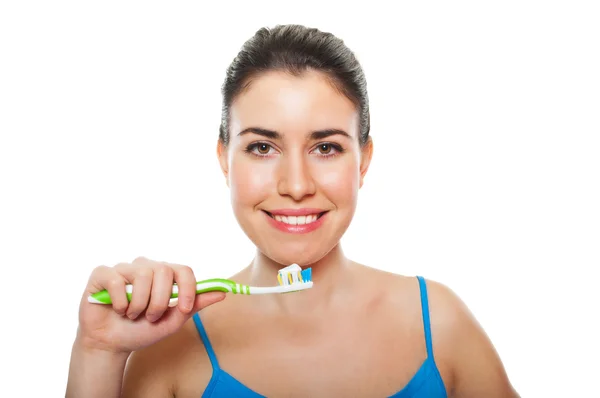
(125, 326)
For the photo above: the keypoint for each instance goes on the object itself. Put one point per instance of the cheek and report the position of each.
(340, 183)
(249, 182)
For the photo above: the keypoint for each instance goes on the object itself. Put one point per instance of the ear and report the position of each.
(222, 156)
(365, 159)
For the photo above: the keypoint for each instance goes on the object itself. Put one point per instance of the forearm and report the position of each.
(95, 373)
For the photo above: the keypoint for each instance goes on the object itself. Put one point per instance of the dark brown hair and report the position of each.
(295, 49)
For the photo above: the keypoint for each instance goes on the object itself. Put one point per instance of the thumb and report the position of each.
(203, 300)
(174, 318)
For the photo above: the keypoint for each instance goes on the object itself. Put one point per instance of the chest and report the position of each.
(335, 372)
(358, 360)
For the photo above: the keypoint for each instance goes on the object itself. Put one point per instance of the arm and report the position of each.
(95, 373)
(99, 373)
(147, 374)
(476, 366)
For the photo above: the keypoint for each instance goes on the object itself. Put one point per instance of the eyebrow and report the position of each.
(274, 135)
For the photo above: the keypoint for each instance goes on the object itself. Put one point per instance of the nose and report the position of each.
(295, 178)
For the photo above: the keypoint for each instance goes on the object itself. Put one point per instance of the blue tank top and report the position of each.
(426, 383)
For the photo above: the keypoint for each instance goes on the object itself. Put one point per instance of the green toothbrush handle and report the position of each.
(208, 285)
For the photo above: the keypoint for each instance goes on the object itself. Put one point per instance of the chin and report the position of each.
(304, 257)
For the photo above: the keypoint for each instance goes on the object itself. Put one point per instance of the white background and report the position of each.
(486, 171)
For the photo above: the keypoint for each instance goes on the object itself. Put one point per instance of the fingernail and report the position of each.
(188, 303)
(133, 315)
(151, 317)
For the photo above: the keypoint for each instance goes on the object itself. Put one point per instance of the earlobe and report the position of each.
(222, 156)
(365, 159)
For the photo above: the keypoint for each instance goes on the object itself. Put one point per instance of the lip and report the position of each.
(297, 229)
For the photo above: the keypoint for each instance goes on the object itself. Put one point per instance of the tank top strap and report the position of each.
(425, 312)
(206, 341)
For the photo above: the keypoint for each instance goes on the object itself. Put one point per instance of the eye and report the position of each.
(328, 149)
(325, 148)
(260, 149)
(263, 149)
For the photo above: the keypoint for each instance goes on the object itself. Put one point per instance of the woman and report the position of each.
(294, 148)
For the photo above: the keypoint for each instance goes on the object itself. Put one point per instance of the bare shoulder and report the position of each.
(464, 355)
(461, 343)
(166, 368)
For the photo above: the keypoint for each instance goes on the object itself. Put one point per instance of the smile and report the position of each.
(296, 221)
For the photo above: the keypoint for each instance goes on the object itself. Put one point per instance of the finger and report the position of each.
(140, 261)
(108, 278)
(186, 285)
(162, 288)
(175, 318)
(203, 300)
(140, 297)
(124, 268)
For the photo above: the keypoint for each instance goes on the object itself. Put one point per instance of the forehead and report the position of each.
(286, 103)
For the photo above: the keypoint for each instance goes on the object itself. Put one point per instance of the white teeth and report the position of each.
(297, 220)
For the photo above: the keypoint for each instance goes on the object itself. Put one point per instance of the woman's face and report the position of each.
(294, 165)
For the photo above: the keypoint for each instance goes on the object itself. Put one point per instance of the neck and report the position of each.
(330, 276)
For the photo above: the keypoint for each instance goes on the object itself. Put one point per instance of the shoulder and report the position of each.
(463, 353)
(461, 343)
(166, 367)
(449, 316)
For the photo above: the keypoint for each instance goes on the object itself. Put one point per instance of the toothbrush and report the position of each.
(291, 279)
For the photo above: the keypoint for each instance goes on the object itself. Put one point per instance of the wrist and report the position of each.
(90, 348)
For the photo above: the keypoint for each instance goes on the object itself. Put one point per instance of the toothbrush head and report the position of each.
(293, 275)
